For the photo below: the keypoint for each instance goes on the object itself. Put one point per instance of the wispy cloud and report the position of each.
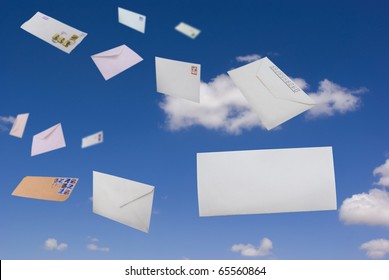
(249, 250)
(376, 249)
(366, 208)
(92, 246)
(222, 107)
(383, 172)
(5, 122)
(333, 99)
(52, 244)
(248, 58)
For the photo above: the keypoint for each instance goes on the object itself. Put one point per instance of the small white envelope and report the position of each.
(91, 140)
(116, 60)
(272, 95)
(187, 30)
(133, 20)
(124, 201)
(177, 78)
(48, 140)
(54, 32)
(19, 125)
(266, 181)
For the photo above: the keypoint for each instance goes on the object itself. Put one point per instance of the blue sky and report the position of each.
(339, 48)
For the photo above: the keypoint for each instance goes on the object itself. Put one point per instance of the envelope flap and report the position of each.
(46, 134)
(112, 52)
(279, 84)
(118, 190)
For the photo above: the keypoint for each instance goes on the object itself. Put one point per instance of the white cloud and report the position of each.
(366, 208)
(248, 58)
(5, 122)
(376, 249)
(222, 107)
(94, 247)
(383, 171)
(93, 239)
(250, 250)
(333, 99)
(51, 244)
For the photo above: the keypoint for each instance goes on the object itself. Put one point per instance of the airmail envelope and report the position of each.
(273, 96)
(54, 32)
(19, 125)
(116, 60)
(46, 188)
(124, 201)
(132, 20)
(187, 30)
(91, 140)
(266, 181)
(48, 140)
(177, 78)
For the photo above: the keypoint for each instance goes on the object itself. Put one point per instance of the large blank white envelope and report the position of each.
(19, 125)
(187, 30)
(273, 96)
(133, 20)
(48, 140)
(91, 140)
(177, 78)
(116, 60)
(124, 201)
(266, 181)
(54, 32)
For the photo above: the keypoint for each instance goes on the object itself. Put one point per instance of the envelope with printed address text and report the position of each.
(272, 95)
(48, 140)
(54, 32)
(122, 200)
(19, 125)
(46, 188)
(178, 78)
(116, 60)
(266, 181)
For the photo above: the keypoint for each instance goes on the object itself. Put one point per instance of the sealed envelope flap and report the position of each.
(112, 52)
(279, 84)
(120, 191)
(46, 188)
(46, 134)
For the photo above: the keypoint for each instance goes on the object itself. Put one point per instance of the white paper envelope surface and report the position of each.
(116, 60)
(91, 140)
(266, 181)
(48, 140)
(122, 200)
(177, 78)
(272, 95)
(54, 32)
(133, 20)
(19, 125)
(187, 30)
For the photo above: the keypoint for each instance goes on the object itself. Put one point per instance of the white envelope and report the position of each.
(272, 95)
(266, 181)
(116, 60)
(177, 78)
(54, 32)
(124, 201)
(48, 140)
(133, 20)
(19, 125)
(187, 30)
(91, 140)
